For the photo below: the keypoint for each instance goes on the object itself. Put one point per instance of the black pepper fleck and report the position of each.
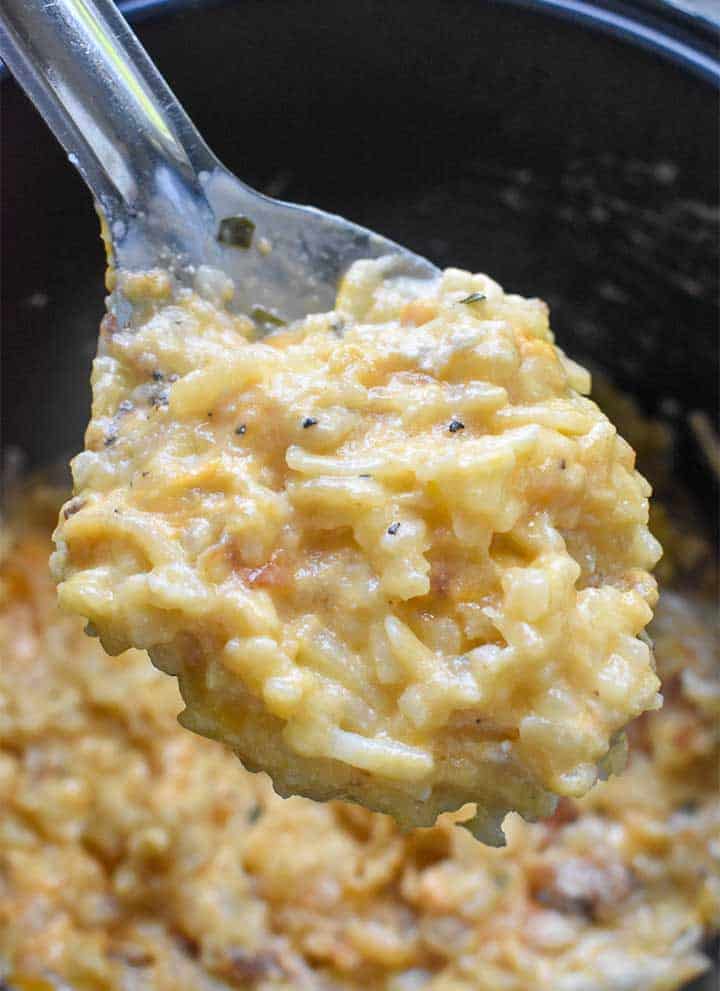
(241, 429)
(364, 476)
(254, 813)
(563, 464)
(125, 406)
(157, 376)
(393, 529)
(110, 440)
(309, 421)
(474, 297)
(456, 425)
(145, 474)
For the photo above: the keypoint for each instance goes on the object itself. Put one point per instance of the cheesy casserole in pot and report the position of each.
(135, 856)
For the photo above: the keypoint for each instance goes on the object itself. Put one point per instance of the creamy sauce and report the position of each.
(392, 553)
(136, 855)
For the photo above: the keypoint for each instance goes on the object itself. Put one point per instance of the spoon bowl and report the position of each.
(165, 197)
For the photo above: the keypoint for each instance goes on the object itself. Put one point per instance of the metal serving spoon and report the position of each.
(167, 200)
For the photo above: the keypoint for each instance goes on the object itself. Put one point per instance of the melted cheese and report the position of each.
(392, 553)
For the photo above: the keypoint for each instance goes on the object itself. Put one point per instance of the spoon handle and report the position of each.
(105, 101)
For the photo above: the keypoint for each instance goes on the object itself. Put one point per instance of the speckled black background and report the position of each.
(565, 163)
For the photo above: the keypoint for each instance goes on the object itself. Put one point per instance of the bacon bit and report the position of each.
(565, 812)
(638, 733)
(582, 886)
(686, 738)
(133, 956)
(248, 968)
(189, 946)
(74, 506)
(672, 688)
(490, 729)
(108, 325)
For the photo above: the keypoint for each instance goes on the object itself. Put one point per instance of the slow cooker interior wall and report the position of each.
(481, 135)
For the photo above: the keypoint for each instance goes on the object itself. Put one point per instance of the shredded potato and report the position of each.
(392, 553)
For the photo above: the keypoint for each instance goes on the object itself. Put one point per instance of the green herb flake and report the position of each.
(236, 231)
(266, 318)
(474, 297)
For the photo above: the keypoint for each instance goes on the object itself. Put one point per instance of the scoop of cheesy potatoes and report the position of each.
(392, 553)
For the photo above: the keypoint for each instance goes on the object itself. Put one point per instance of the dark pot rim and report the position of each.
(690, 40)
